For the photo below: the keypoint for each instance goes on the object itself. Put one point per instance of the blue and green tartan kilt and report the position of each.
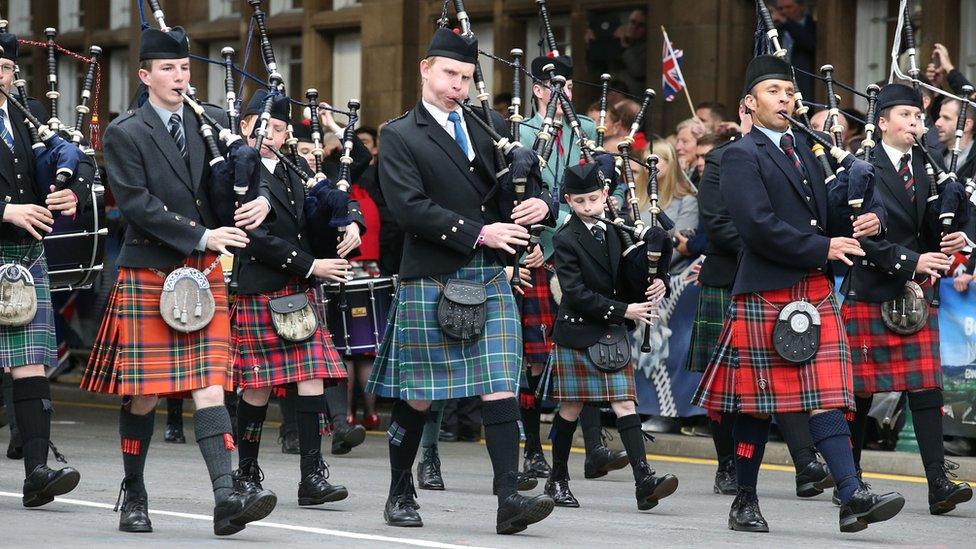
(571, 376)
(416, 361)
(36, 342)
(713, 303)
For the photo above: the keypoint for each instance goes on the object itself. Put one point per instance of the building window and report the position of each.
(339, 4)
(69, 15)
(19, 15)
(871, 38)
(118, 81)
(224, 8)
(69, 87)
(486, 42)
(288, 56)
(280, 6)
(967, 42)
(347, 49)
(121, 14)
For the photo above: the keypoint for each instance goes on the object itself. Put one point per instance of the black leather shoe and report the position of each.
(651, 489)
(289, 443)
(447, 436)
(835, 495)
(944, 495)
(401, 505)
(602, 460)
(15, 448)
(534, 465)
(560, 493)
(523, 483)
(135, 507)
(813, 479)
(345, 437)
(314, 489)
(429, 470)
(44, 483)
(725, 479)
(233, 513)
(248, 478)
(866, 507)
(174, 433)
(745, 515)
(517, 512)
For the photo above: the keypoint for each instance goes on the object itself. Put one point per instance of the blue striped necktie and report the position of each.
(176, 130)
(4, 132)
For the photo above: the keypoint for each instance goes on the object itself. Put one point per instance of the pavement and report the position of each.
(85, 430)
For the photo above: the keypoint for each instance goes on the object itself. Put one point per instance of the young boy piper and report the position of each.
(602, 290)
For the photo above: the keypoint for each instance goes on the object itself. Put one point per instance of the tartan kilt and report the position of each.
(538, 316)
(137, 353)
(571, 376)
(713, 303)
(885, 361)
(35, 343)
(416, 361)
(745, 374)
(263, 359)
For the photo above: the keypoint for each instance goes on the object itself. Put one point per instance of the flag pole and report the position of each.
(677, 67)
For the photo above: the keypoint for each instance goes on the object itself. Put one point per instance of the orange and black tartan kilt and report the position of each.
(137, 353)
(885, 361)
(745, 374)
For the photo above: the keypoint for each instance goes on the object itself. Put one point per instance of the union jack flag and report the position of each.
(672, 81)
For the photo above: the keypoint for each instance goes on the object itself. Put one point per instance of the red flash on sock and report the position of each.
(131, 446)
(745, 450)
(229, 441)
(527, 400)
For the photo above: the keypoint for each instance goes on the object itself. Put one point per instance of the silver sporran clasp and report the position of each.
(187, 303)
(909, 312)
(18, 295)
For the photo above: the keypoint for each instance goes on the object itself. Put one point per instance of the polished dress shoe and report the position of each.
(44, 483)
(560, 493)
(517, 512)
(446, 436)
(650, 489)
(835, 495)
(15, 448)
(174, 433)
(745, 515)
(233, 513)
(135, 507)
(314, 489)
(346, 437)
(813, 479)
(289, 443)
(248, 478)
(944, 495)
(866, 507)
(535, 465)
(523, 483)
(401, 507)
(725, 479)
(601, 460)
(429, 470)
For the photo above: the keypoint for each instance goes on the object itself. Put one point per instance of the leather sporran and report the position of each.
(909, 312)
(611, 352)
(293, 317)
(796, 335)
(187, 303)
(461, 309)
(18, 295)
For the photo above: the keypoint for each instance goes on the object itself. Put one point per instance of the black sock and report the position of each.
(214, 436)
(311, 412)
(858, 427)
(502, 438)
(926, 409)
(250, 424)
(403, 438)
(8, 401)
(530, 415)
(722, 437)
(833, 438)
(135, 433)
(589, 420)
(750, 434)
(230, 402)
(562, 444)
(795, 428)
(337, 400)
(289, 421)
(632, 437)
(33, 408)
(174, 411)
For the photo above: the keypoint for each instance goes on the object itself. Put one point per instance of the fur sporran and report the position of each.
(187, 303)
(293, 317)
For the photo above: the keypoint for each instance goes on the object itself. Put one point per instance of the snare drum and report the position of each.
(357, 326)
(76, 247)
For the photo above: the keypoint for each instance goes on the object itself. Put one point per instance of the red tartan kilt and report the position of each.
(745, 374)
(263, 359)
(137, 353)
(885, 361)
(538, 316)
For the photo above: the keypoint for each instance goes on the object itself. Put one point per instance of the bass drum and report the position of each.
(76, 248)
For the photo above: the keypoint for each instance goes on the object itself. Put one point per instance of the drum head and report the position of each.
(76, 247)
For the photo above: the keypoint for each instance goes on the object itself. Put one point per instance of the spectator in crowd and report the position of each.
(706, 143)
(633, 61)
(798, 32)
(819, 122)
(686, 144)
(676, 197)
(501, 103)
(711, 115)
(368, 136)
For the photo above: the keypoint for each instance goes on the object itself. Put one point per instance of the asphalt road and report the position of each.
(181, 502)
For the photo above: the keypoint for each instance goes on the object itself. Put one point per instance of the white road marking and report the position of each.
(265, 524)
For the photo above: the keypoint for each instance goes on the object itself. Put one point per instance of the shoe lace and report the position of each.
(948, 467)
(431, 455)
(605, 435)
(118, 500)
(404, 489)
(60, 457)
(253, 471)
